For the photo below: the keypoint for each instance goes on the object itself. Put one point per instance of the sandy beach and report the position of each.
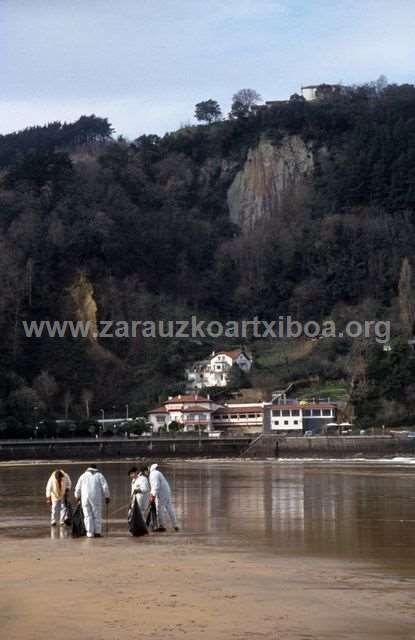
(174, 587)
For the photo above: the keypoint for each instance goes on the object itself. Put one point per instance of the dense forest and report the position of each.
(102, 229)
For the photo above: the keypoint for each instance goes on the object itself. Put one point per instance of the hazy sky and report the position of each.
(144, 64)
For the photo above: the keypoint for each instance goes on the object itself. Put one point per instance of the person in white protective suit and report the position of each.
(140, 486)
(161, 495)
(57, 490)
(92, 491)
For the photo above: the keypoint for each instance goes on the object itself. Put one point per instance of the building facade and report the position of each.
(239, 417)
(288, 416)
(196, 412)
(216, 370)
(282, 416)
(320, 91)
(191, 412)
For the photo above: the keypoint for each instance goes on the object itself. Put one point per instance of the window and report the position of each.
(160, 418)
(295, 412)
(276, 412)
(285, 421)
(306, 412)
(276, 421)
(242, 415)
(316, 412)
(326, 412)
(285, 412)
(251, 415)
(295, 421)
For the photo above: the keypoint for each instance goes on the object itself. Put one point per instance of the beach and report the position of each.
(307, 551)
(171, 587)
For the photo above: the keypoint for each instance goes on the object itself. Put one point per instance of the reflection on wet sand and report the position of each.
(303, 509)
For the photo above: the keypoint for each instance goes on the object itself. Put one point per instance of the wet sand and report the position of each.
(170, 586)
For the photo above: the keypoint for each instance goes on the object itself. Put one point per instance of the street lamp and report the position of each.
(126, 412)
(35, 427)
(103, 417)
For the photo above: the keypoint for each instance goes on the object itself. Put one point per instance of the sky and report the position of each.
(144, 64)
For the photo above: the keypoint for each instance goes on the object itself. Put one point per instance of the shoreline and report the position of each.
(406, 461)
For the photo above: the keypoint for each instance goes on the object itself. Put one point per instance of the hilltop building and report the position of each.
(215, 371)
(320, 91)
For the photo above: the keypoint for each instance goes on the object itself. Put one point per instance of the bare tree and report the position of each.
(67, 401)
(87, 396)
(243, 101)
(46, 387)
(406, 298)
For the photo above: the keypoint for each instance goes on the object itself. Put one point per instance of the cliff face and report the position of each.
(270, 173)
(83, 303)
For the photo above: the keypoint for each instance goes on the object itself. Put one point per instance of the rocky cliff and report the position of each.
(270, 173)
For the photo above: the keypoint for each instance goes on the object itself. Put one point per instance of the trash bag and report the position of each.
(136, 525)
(151, 516)
(78, 524)
(68, 513)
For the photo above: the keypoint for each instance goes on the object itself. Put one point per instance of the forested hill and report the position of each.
(53, 137)
(299, 208)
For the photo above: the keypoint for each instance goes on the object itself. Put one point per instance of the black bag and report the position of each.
(151, 513)
(67, 516)
(78, 524)
(136, 525)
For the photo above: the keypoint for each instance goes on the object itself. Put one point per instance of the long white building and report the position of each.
(196, 412)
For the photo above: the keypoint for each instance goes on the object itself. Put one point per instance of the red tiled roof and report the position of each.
(196, 409)
(158, 410)
(231, 354)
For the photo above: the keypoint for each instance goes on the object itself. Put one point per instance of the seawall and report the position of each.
(113, 448)
(330, 447)
(266, 446)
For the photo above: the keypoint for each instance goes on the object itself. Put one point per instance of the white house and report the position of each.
(194, 412)
(318, 91)
(191, 411)
(215, 371)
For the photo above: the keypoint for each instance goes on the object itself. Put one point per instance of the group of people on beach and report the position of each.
(149, 488)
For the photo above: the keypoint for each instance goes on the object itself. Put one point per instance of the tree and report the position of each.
(67, 402)
(243, 101)
(406, 298)
(238, 379)
(208, 111)
(175, 426)
(87, 395)
(46, 387)
(295, 97)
